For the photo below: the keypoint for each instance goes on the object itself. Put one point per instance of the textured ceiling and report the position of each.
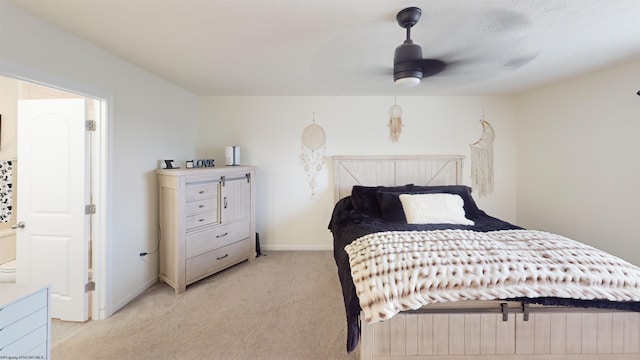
(345, 47)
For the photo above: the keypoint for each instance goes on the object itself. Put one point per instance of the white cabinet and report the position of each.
(207, 222)
(25, 322)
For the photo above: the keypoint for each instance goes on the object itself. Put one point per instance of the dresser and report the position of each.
(25, 322)
(207, 222)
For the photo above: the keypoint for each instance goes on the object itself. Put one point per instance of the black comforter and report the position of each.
(347, 225)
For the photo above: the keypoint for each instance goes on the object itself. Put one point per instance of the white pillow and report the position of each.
(437, 208)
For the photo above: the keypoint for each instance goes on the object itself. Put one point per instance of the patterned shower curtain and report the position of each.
(6, 190)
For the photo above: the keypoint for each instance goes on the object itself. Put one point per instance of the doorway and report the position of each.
(92, 175)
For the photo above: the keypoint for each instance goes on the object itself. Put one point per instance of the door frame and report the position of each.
(100, 304)
(100, 250)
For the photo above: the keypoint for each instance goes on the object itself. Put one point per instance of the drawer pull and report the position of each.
(200, 206)
(222, 257)
(200, 220)
(219, 236)
(201, 192)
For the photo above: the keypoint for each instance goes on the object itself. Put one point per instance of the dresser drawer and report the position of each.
(194, 221)
(32, 345)
(201, 206)
(212, 261)
(201, 190)
(40, 351)
(22, 308)
(23, 327)
(213, 238)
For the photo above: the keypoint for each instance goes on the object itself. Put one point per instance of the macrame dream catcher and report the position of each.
(312, 154)
(482, 160)
(395, 122)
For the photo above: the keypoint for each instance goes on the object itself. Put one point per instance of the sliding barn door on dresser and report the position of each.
(207, 222)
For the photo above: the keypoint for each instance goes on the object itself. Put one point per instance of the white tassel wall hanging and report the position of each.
(312, 154)
(395, 122)
(482, 160)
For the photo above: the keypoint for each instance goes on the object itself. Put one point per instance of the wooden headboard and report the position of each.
(394, 170)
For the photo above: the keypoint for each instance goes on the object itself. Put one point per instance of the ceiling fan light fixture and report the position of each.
(408, 82)
(407, 74)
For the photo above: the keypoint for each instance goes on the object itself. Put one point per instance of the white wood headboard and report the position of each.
(394, 170)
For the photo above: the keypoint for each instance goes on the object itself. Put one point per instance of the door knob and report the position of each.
(18, 225)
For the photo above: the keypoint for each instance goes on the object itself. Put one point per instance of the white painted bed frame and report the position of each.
(551, 333)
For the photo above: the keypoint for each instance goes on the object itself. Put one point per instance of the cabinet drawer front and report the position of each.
(219, 236)
(23, 327)
(194, 221)
(22, 308)
(201, 206)
(201, 190)
(40, 351)
(212, 261)
(33, 344)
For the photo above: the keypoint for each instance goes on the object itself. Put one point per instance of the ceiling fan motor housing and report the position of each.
(404, 61)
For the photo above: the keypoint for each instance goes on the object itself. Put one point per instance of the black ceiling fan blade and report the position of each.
(432, 67)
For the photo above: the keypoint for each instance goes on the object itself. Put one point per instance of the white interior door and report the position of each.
(52, 247)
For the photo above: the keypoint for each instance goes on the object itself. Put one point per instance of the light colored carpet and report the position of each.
(62, 330)
(286, 305)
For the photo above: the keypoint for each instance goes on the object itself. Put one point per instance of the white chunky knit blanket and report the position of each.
(402, 270)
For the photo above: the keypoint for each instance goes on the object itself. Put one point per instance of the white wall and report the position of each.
(8, 109)
(268, 130)
(149, 119)
(579, 160)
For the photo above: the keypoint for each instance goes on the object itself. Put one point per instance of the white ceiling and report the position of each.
(345, 47)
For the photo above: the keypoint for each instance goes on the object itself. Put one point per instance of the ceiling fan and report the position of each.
(408, 65)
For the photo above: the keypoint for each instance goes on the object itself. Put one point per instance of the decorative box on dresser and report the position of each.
(207, 222)
(25, 321)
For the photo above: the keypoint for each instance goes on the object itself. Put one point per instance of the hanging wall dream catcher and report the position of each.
(312, 154)
(395, 122)
(482, 160)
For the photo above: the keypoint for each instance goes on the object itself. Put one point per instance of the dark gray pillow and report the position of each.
(365, 200)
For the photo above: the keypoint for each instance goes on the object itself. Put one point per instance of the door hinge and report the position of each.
(90, 286)
(90, 209)
(90, 125)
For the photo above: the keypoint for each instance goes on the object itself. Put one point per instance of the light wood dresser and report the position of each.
(25, 322)
(207, 222)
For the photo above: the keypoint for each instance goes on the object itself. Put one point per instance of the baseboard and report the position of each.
(296, 247)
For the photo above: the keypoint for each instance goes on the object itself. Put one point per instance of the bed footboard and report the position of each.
(557, 335)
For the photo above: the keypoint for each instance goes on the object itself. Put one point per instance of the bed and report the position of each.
(520, 324)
